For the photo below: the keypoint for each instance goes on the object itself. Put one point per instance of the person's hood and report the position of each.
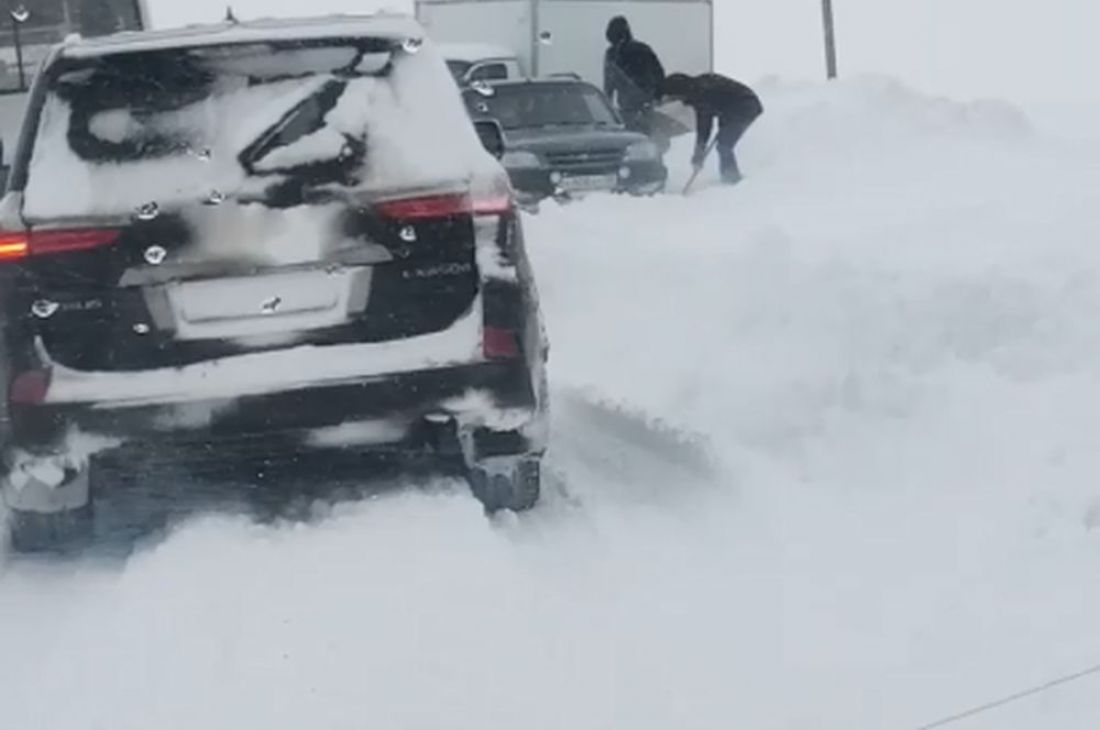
(618, 31)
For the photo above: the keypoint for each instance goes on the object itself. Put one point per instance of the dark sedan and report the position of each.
(562, 138)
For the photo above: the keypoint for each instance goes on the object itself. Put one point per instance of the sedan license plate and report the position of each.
(588, 183)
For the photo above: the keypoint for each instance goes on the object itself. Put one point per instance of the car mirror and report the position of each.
(482, 87)
(491, 135)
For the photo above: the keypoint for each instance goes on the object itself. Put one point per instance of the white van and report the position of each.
(471, 62)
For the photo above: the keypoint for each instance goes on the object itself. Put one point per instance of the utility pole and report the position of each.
(19, 16)
(830, 38)
(535, 38)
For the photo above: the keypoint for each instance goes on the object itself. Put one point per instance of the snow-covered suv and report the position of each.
(272, 235)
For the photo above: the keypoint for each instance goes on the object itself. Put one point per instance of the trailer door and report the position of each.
(504, 23)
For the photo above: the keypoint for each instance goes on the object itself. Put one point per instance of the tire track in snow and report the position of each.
(610, 452)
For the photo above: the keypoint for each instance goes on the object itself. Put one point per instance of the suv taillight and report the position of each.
(19, 245)
(13, 246)
(30, 387)
(499, 343)
(425, 208)
(435, 207)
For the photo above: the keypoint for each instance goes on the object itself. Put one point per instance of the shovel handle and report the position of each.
(695, 173)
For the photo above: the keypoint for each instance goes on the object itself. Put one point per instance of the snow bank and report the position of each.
(825, 456)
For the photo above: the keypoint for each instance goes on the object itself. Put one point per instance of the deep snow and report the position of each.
(825, 456)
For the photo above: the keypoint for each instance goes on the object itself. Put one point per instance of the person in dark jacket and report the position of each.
(715, 97)
(98, 18)
(632, 75)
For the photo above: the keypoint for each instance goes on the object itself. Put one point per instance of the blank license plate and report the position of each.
(586, 183)
(263, 304)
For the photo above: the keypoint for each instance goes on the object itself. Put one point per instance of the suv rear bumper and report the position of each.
(389, 410)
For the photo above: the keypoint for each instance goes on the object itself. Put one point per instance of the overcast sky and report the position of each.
(1022, 50)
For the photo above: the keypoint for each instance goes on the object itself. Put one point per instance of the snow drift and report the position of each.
(825, 456)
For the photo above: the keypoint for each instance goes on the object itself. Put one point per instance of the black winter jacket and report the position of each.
(632, 72)
(716, 97)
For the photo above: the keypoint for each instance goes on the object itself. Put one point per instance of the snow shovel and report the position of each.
(670, 120)
(695, 173)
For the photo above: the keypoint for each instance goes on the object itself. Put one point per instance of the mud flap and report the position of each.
(503, 472)
(507, 483)
(49, 506)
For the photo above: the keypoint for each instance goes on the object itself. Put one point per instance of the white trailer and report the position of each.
(567, 36)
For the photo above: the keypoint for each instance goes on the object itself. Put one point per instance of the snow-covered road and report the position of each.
(826, 456)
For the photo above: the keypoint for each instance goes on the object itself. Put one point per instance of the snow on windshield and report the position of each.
(183, 132)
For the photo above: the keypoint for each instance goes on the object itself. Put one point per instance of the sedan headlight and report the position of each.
(520, 160)
(642, 152)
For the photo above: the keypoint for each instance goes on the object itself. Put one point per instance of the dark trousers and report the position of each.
(730, 131)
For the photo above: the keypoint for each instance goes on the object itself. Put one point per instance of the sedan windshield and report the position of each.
(544, 105)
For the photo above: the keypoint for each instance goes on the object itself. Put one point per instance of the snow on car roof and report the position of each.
(415, 101)
(381, 25)
(472, 52)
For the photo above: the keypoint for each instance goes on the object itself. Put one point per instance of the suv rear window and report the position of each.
(127, 129)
